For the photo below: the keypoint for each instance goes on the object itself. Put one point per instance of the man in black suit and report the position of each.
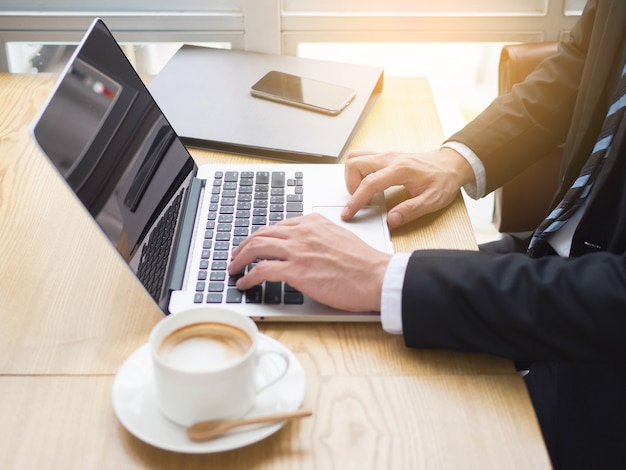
(561, 306)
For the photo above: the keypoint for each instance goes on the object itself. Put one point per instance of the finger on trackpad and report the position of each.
(368, 224)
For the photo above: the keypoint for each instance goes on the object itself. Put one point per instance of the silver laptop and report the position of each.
(173, 222)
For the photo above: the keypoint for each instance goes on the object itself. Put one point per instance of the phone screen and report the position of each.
(304, 92)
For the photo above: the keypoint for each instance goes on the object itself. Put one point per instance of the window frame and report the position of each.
(278, 26)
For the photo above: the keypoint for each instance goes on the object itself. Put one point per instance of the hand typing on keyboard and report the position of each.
(317, 257)
(242, 202)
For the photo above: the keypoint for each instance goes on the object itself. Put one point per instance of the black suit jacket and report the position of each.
(568, 315)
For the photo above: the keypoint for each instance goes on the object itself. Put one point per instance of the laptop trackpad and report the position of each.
(369, 225)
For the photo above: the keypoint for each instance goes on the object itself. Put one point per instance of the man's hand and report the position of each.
(319, 258)
(432, 179)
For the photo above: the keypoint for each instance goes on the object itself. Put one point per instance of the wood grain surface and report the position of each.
(72, 312)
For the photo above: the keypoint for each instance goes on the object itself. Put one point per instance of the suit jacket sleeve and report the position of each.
(511, 305)
(519, 128)
(517, 307)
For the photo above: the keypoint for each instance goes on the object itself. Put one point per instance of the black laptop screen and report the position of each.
(110, 141)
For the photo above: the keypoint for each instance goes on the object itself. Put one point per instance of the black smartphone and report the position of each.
(307, 93)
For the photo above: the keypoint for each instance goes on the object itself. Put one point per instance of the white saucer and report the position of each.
(135, 405)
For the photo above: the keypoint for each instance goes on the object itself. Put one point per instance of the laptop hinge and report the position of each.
(185, 235)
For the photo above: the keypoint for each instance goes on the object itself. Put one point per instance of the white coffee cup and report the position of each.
(205, 365)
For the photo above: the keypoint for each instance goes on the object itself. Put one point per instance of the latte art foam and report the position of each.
(202, 347)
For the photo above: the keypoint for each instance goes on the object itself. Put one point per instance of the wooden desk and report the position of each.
(71, 313)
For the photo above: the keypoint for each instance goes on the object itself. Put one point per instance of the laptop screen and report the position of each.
(110, 141)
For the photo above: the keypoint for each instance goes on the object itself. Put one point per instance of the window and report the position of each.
(406, 37)
(27, 25)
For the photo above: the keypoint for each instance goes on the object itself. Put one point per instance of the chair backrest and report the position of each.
(522, 203)
(517, 61)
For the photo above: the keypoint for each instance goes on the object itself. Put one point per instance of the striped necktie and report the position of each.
(578, 192)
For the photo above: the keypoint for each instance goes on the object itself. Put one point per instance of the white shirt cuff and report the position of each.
(391, 297)
(475, 189)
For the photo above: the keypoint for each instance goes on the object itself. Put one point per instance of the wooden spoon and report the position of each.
(204, 430)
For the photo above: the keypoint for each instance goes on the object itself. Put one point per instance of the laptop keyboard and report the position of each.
(155, 253)
(242, 202)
